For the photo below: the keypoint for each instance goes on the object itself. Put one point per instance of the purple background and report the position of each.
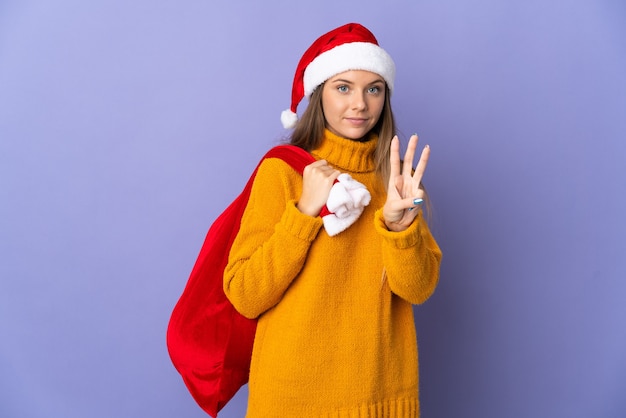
(126, 127)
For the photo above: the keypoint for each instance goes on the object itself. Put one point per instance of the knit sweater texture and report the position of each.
(335, 334)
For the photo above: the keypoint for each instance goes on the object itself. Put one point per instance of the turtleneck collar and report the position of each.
(346, 154)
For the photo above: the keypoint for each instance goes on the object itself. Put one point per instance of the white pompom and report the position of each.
(288, 118)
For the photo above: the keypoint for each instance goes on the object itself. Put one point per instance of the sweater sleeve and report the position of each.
(411, 259)
(272, 243)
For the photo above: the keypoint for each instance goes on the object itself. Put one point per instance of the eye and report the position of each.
(374, 90)
(342, 88)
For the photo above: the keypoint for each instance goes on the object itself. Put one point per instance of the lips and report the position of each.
(357, 121)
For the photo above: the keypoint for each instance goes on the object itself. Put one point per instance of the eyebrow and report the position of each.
(342, 80)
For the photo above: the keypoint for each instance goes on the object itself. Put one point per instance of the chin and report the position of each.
(354, 133)
(358, 136)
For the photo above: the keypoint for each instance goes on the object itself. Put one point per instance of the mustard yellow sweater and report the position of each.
(334, 338)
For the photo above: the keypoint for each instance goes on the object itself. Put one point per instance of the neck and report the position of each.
(346, 154)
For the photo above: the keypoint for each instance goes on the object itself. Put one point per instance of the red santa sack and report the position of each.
(209, 342)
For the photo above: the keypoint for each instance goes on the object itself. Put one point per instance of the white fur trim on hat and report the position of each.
(350, 56)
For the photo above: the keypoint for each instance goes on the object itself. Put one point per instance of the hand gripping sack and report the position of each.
(209, 342)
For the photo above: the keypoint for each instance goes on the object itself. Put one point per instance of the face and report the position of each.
(352, 103)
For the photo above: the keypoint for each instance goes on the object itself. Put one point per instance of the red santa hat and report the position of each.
(349, 47)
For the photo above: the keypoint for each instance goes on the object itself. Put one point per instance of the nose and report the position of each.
(359, 101)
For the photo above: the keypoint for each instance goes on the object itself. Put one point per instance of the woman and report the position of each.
(333, 294)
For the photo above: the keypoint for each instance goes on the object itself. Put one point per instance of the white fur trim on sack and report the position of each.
(346, 202)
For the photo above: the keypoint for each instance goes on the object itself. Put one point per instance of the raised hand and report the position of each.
(317, 180)
(404, 193)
